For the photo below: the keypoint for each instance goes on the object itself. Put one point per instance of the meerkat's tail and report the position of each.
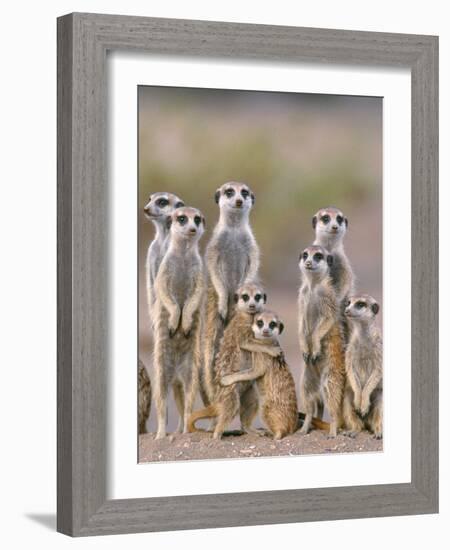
(208, 412)
(315, 423)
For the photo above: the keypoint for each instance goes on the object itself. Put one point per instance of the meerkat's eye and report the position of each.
(182, 220)
(245, 193)
(305, 255)
(229, 192)
(162, 202)
(340, 219)
(272, 325)
(325, 219)
(245, 297)
(258, 297)
(260, 323)
(318, 257)
(360, 305)
(197, 220)
(179, 204)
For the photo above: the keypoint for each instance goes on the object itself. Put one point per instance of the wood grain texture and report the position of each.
(83, 41)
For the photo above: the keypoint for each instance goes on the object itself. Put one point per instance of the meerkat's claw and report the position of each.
(377, 436)
(315, 359)
(349, 433)
(306, 358)
(187, 333)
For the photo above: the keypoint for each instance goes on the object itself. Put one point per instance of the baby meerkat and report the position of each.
(320, 337)
(330, 226)
(274, 381)
(179, 286)
(363, 398)
(232, 258)
(242, 398)
(159, 206)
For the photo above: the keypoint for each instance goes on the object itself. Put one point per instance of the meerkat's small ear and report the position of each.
(346, 222)
(314, 222)
(217, 196)
(265, 297)
(253, 198)
(168, 222)
(330, 260)
(281, 327)
(375, 308)
(236, 298)
(179, 204)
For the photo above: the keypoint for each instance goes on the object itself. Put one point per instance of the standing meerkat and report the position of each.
(363, 397)
(241, 398)
(232, 258)
(320, 338)
(145, 397)
(159, 206)
(274, 381)
(330, 226)
(180, 286)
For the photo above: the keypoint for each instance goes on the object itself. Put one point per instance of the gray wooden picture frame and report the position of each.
(83, 42)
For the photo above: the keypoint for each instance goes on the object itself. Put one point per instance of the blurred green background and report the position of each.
(298, 153)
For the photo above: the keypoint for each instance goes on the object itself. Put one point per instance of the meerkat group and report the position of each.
(213, 335)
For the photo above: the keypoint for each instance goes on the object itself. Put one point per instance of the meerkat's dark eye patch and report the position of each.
(217, 196)
(245, 193)
(182, 220)
(314, 222)
(197, 220)
(179, 204)
(305, 255)
(330, 260)
(272, 325)
(260, 323)
(375, 308)
(245, 297)
(229, 192)
(162, 202)
(325, 219)
(258, 297)
(360, 305)
(318, 257)
(340, 220)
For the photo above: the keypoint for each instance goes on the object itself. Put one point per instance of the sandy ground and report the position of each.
(200, 446)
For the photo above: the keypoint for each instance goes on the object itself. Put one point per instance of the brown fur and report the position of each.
(145, 397)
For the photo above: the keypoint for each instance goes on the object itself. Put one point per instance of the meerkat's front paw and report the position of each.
(315, 358)
(226, 380)
(174, 323)
(306, 358)
(377, 436)
(364, 409)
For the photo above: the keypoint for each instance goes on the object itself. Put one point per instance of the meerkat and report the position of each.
(363, 397)
(180, 287)
(321, 340)
(241, 398)
(145, 397)
(330, 226)
(274, 381)
(232, 258)
(159, 206)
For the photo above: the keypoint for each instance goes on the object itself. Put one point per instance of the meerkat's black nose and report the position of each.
(334, 227)
(193, 230)
(239, 203)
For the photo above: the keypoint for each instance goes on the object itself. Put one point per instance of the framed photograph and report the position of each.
(247, 274)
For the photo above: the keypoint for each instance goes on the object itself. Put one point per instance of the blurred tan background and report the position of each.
(298, 153)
